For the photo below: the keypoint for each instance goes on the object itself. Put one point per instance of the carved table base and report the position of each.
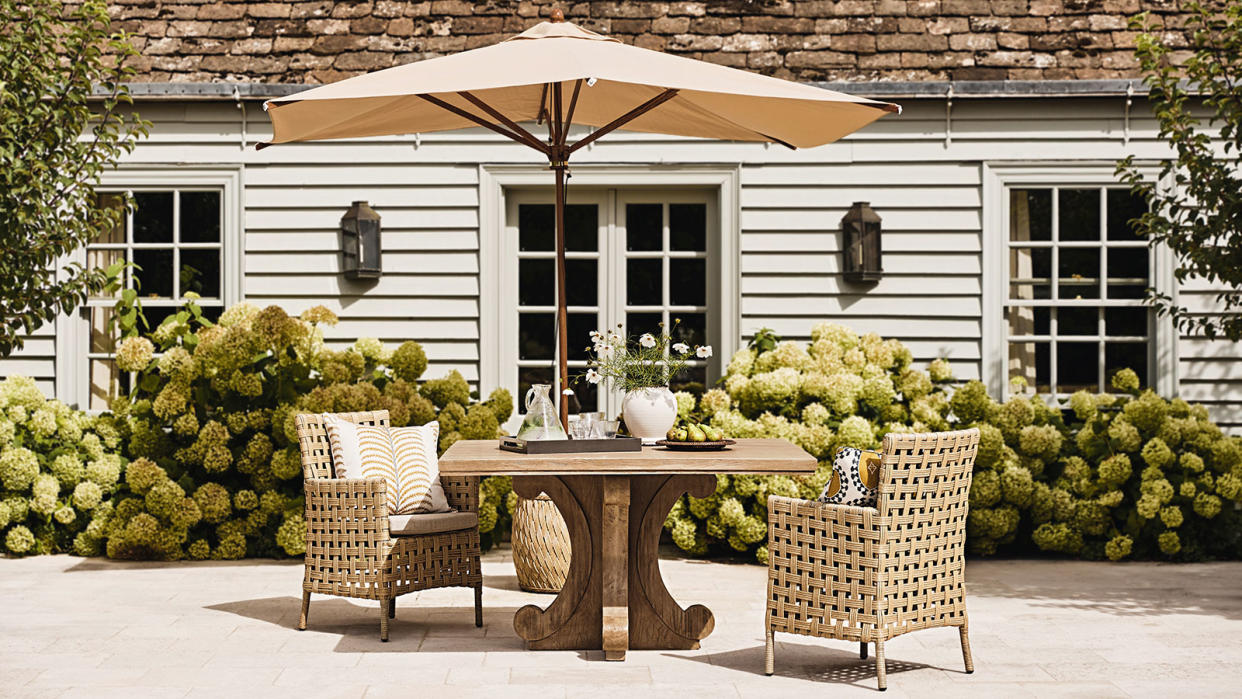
(614, 598)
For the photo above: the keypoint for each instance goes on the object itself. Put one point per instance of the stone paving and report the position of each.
(96, 628)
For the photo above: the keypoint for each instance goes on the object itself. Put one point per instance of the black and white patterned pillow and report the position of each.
(852, 471)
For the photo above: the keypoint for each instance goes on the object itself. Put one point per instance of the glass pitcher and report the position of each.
(542, 420)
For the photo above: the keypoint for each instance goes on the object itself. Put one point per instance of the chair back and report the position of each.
(313, 439)
(924, 497)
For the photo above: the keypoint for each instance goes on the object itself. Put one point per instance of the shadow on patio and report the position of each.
(819, 663)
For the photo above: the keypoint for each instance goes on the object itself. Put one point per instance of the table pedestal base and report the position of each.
(614, 597)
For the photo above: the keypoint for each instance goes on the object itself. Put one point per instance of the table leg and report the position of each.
(614, 597)
(616, 534)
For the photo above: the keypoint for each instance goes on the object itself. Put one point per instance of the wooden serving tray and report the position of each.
(570, 446)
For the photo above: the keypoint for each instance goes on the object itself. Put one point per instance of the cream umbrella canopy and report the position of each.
(563, 74)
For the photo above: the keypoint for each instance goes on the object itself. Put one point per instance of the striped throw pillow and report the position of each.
(418, 467)
(398, 456)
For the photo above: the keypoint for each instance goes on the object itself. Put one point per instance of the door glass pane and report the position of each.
(687, 279)
(1079, 215)
(153, 217)
(1123, 206)
(537, 282)
(1030, 273)
(1029, 320)
(1030, 214)
(644, 227)
(644, 282)
(155, 275)
(581, 227)
(586, 393)
(536, 335)
(692, 379)
(200, 272)
(1078, 321)
(687, 227)
(155, 315)
(200, 217)
(1079, 272)
(1077, 366)
(536, 228)
(1126, 355)
(639, 323)
(579, 338)
(692, 329)
(581, 282)
(1129, 321)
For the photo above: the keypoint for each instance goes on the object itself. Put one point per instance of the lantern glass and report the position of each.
(860, 236)
(361, 242)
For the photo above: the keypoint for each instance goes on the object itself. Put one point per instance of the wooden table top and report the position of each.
(760, 456)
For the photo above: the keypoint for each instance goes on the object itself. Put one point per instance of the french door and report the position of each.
(637, 259)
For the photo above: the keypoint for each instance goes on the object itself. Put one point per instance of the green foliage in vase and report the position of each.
(1115, 475)
(59, 468)
(67, 117)
(1193, 206)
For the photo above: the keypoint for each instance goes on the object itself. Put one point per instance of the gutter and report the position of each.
(959, 89)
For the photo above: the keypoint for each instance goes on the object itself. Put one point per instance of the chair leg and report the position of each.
(305, 610)
(970, 663)
(384, 606)
(478, 605)
(881, 670)
(769, 653)
(862, 650)
(392, 608)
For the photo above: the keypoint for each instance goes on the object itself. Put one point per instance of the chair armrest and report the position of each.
(462, 492)
(824, 532)
(356, 508)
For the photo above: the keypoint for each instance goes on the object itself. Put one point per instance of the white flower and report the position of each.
(592, 376)
(681, 348)
(703, 352)
(647, 340)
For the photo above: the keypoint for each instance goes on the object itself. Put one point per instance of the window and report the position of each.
(634, 259)
(1076, 278)
(175, 240)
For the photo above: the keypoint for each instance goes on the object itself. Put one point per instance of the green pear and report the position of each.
(696, 434)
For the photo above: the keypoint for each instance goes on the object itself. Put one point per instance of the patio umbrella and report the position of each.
(563, 74)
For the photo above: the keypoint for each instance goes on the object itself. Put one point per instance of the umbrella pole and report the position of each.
(562, 315)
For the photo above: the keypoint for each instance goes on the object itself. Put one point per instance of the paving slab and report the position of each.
(74, 627)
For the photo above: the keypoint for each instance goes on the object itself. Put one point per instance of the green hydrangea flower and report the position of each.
(134, 354)
(198, 550)
(500, 402)
(1115, 470)
(1124, 436)
(213, 501)
(1057, 537)
(1118, 547)
(87, 496)
(1170, 543)
(940, 371)
(19, 540)
(1207, 505)
(1040, 441)
(18, 468)
(971, 403)
(1126, 380)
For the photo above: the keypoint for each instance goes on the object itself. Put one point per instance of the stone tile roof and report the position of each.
(812, 40)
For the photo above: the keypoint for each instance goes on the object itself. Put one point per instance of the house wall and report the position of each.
(922, 172)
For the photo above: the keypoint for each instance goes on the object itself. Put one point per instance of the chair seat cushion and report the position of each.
(431, 523)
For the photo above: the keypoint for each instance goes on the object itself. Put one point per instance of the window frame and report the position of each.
(73, 335)
(998, 179)
(497, 250)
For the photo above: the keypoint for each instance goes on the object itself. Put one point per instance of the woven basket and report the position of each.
(540, 545)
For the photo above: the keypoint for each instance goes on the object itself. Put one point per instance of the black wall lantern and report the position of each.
(860, 237)
(360, 242)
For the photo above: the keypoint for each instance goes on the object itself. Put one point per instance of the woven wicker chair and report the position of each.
(349, 550)
(868, 574)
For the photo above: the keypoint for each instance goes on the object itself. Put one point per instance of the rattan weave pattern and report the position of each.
(541, 546)
(868, 574)
(349, 552)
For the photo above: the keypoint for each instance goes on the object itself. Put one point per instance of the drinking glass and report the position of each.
(607, 429)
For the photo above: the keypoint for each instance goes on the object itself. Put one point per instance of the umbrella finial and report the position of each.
(557, 15)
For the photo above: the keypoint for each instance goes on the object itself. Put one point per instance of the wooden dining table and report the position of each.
(614, 505)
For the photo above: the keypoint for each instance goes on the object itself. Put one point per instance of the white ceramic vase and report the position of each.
(649, 412)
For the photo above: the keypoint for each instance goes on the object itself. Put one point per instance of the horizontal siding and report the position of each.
(36, 359)
(927, 188)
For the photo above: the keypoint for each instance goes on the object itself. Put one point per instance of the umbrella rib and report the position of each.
(527, 136)
(625, 118)
(479, 120)
(573, 104)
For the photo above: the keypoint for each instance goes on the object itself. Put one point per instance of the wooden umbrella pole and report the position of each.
(559, 165)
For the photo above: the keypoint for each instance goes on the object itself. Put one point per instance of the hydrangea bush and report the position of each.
(1117, 475)
(209, 426)
(58, 470)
